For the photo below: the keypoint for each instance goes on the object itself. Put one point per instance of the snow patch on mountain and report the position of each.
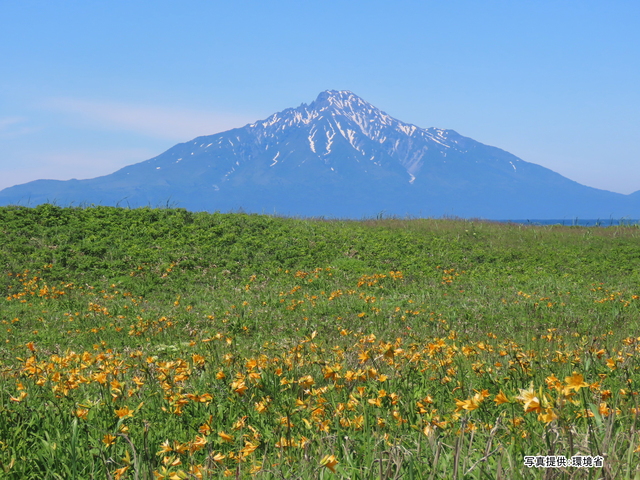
(330, 140)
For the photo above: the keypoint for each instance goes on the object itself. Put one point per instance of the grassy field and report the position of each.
(164, 344)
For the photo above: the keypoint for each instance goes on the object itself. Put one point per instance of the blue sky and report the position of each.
(87, 87)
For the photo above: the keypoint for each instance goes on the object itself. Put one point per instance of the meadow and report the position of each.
(164, 344)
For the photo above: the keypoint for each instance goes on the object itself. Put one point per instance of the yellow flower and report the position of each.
(330, 462)
(165, 447)
(239, 387)
(172, 461)
(286, 443)
(501, 398)
(180, 448)
(124, 412)
(198, 444)
(126, 459)
(551, 380)
(575, 382)
(248, 448)
(547, 417)
(331, 373)
(204, 398)
(472, 403)
(363, 356)
(469, 405)
(195, 471)
(218, 457)
(165, 474)
(255, 376)
(82, 413)
(240, 423)
(108, 439)
(388, 351)
(531, 402)
(205, 429)
(225, 437)
(21, 397)
(482, 394)
(119, 472)
(306, 381)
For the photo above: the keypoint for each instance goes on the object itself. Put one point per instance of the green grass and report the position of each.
(120, 323)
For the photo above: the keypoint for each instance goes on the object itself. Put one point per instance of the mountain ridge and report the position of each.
(339, 156)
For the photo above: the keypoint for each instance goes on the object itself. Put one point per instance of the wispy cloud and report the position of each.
(8, 121)
(78, 164)
(159, 122)
(11, 127)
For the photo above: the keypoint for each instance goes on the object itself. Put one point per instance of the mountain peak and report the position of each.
(344, 103)
(343, 100)
(337, 96)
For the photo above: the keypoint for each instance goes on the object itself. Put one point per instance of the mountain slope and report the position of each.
(338, 156)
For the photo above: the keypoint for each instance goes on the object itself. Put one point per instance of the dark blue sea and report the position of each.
(579, 222)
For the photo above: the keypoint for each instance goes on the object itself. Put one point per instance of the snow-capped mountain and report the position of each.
(337, 135)
(338, 156)
(340, 117)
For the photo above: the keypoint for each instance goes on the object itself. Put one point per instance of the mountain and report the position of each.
(339, 156)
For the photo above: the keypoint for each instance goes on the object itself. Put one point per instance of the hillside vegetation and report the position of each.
(161, 343)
